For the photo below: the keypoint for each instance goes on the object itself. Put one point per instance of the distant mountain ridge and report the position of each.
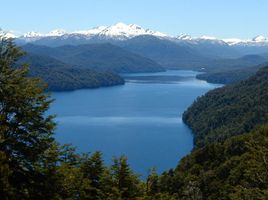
(100, 57)
(192, 51)
(121, 31)
(209, 54)
(60, 76)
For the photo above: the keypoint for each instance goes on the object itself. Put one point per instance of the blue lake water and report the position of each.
(141, 119)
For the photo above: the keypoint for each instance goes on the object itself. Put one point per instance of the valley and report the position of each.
(130, 120)
(123, 112)
(104, 52)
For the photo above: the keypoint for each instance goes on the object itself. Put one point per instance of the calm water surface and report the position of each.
(141, 119)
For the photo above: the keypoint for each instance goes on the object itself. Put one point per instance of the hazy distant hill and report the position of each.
(60, 76)
(169, 54)
(227, 71)
(102, 57)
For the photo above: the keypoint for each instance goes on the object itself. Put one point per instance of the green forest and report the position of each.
(60, 76)
(230, 160)
(230, 110)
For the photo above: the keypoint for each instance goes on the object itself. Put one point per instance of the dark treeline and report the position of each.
(34, 166)
(230, 110)
(60, 76)
(227, 71)
(229, 76)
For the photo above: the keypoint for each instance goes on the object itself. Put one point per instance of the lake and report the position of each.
(141, 119)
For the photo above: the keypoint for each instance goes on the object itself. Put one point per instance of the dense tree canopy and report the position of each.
(25, 133)
(230, 110)
(223, 166)
(62, 77)
(234, 169)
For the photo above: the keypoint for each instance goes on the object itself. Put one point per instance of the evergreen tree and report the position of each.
(125, 181)
(152, 183)
(93, 169)
(25, 132)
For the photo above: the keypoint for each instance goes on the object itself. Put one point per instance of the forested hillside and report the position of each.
(235, 169)
(230, 160)
(227, 71)
(100, 57)
(61, 76)
(230, 110)
(228, 76)
(167, 53)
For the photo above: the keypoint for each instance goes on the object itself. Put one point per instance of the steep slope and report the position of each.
(234, 169)
(101, 57)
(209, 46)
(230, 110)
(169, 54)
(228, 76)
(61, 77)
(226, 71)
(219, 65)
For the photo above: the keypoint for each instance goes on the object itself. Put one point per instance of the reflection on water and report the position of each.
(142, 121)
(111, 121)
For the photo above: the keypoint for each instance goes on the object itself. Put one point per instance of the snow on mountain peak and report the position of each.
(6, 34)
(56, 32)
(205, 37)
(135, 26)
(117, 31)
(32, 34)
(121, 30)
(232, 41)
(91, 32)
(184, 37)
(260, 38)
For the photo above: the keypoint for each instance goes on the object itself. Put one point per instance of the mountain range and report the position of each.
(133, 36)
(121, 31)
(60, 76)
(100, 57)
(123, 48)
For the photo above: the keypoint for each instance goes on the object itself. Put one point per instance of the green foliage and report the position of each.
(234, 169)
(100, 57)
(230, 110)
(25, 133)
(61, 77)
(169, 54)
(229, 76)
(33, 166)
(125, 182)
(227, 71)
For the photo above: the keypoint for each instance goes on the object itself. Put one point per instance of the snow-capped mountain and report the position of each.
(259, 39)
(91, 32)
(118, 31)
(121, 32)
(32, 34)
(6, 34)
(256, 41)
(56, 33)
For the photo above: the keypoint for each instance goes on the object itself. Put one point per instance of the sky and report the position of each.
(220, 18)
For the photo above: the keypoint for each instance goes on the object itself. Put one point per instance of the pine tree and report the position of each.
(152, 183)
(93, 169)
(25, 131)
(125, 181)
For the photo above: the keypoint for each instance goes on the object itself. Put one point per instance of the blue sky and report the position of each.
(220, 18)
